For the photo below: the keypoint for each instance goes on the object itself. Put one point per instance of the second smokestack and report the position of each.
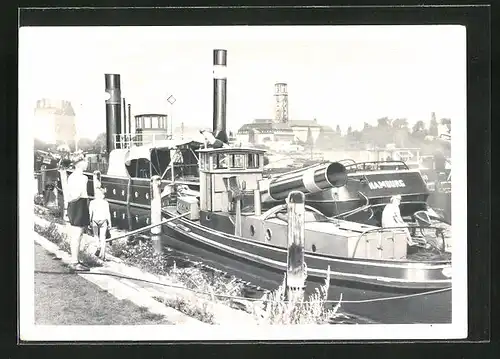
(113, 110)
(220, 84)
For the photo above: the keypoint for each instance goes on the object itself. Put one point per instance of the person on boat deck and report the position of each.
(439, 167)
(391, 217)
(100, 218)
(78, 208)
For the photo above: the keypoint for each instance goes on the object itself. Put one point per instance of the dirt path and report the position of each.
(64, 298)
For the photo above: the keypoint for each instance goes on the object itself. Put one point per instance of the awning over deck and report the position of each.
(119, 159)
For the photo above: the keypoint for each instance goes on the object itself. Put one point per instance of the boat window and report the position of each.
(148, 123)
(269, 235)
(204, 162)
(237, 161)
(137, 123)
(221, 161)
(253, 160)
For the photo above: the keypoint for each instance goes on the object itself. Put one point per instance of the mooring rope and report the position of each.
(227, 296)
(144, 229)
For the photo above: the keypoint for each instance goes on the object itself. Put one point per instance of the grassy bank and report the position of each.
(207, 289)
(89, 304)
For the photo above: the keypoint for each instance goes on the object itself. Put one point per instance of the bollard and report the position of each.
(64, 185)
(43, 178)
(155, 195)
(96, 180)
(296, 268)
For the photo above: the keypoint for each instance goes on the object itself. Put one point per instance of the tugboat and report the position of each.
(240, 215)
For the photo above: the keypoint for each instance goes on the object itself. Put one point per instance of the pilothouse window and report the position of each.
(253, 160)
(237, 161)
(221, 161)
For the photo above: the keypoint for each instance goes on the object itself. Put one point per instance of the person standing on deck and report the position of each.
(391, 217)
(78, 208)
(100, 217)
(439, 167)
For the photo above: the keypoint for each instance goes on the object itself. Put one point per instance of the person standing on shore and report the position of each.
(100, 217)
(78, 208)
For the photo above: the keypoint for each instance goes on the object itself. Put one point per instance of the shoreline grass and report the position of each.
(274, 309)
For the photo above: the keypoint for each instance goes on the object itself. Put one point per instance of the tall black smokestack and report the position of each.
(124, 122)
(220, 78)
(113, 110)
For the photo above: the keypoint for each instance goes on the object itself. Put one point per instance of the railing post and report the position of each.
(96, 180)
(155, 195)
(64, 184)
(296, 268)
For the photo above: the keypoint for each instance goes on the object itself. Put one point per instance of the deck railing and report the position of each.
(127, 140)
(375, 166)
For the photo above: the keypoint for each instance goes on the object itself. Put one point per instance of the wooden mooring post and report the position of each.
(296, 268)
(155, 195)
(64, 186)
(43, 179)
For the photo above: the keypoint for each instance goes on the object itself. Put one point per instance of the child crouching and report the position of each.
(100, 218)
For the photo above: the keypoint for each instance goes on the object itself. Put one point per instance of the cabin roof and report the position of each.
(150, 115)
(232, 150)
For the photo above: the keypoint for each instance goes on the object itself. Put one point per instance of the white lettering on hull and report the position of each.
(387, 184)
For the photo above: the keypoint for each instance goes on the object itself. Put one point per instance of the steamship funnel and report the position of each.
(220, 79)
(113, 110)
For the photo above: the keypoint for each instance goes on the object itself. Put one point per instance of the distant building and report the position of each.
(281, 128)
(261, 131)
(54, 121)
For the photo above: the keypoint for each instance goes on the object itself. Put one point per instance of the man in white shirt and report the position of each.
(78, 210)
(391, 217)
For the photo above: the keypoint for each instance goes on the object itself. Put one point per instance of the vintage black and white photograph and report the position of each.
(243, 183)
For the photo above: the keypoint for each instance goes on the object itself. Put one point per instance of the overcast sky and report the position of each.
(342, 75)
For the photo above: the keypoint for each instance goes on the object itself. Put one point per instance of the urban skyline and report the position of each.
(339, 75)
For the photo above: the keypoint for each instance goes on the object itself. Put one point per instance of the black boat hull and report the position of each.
(374, 305)
(366, 292)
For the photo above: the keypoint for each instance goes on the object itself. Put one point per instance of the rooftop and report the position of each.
(232, 150)
(55, 106)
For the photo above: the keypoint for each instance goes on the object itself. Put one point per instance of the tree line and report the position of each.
(387, 131)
